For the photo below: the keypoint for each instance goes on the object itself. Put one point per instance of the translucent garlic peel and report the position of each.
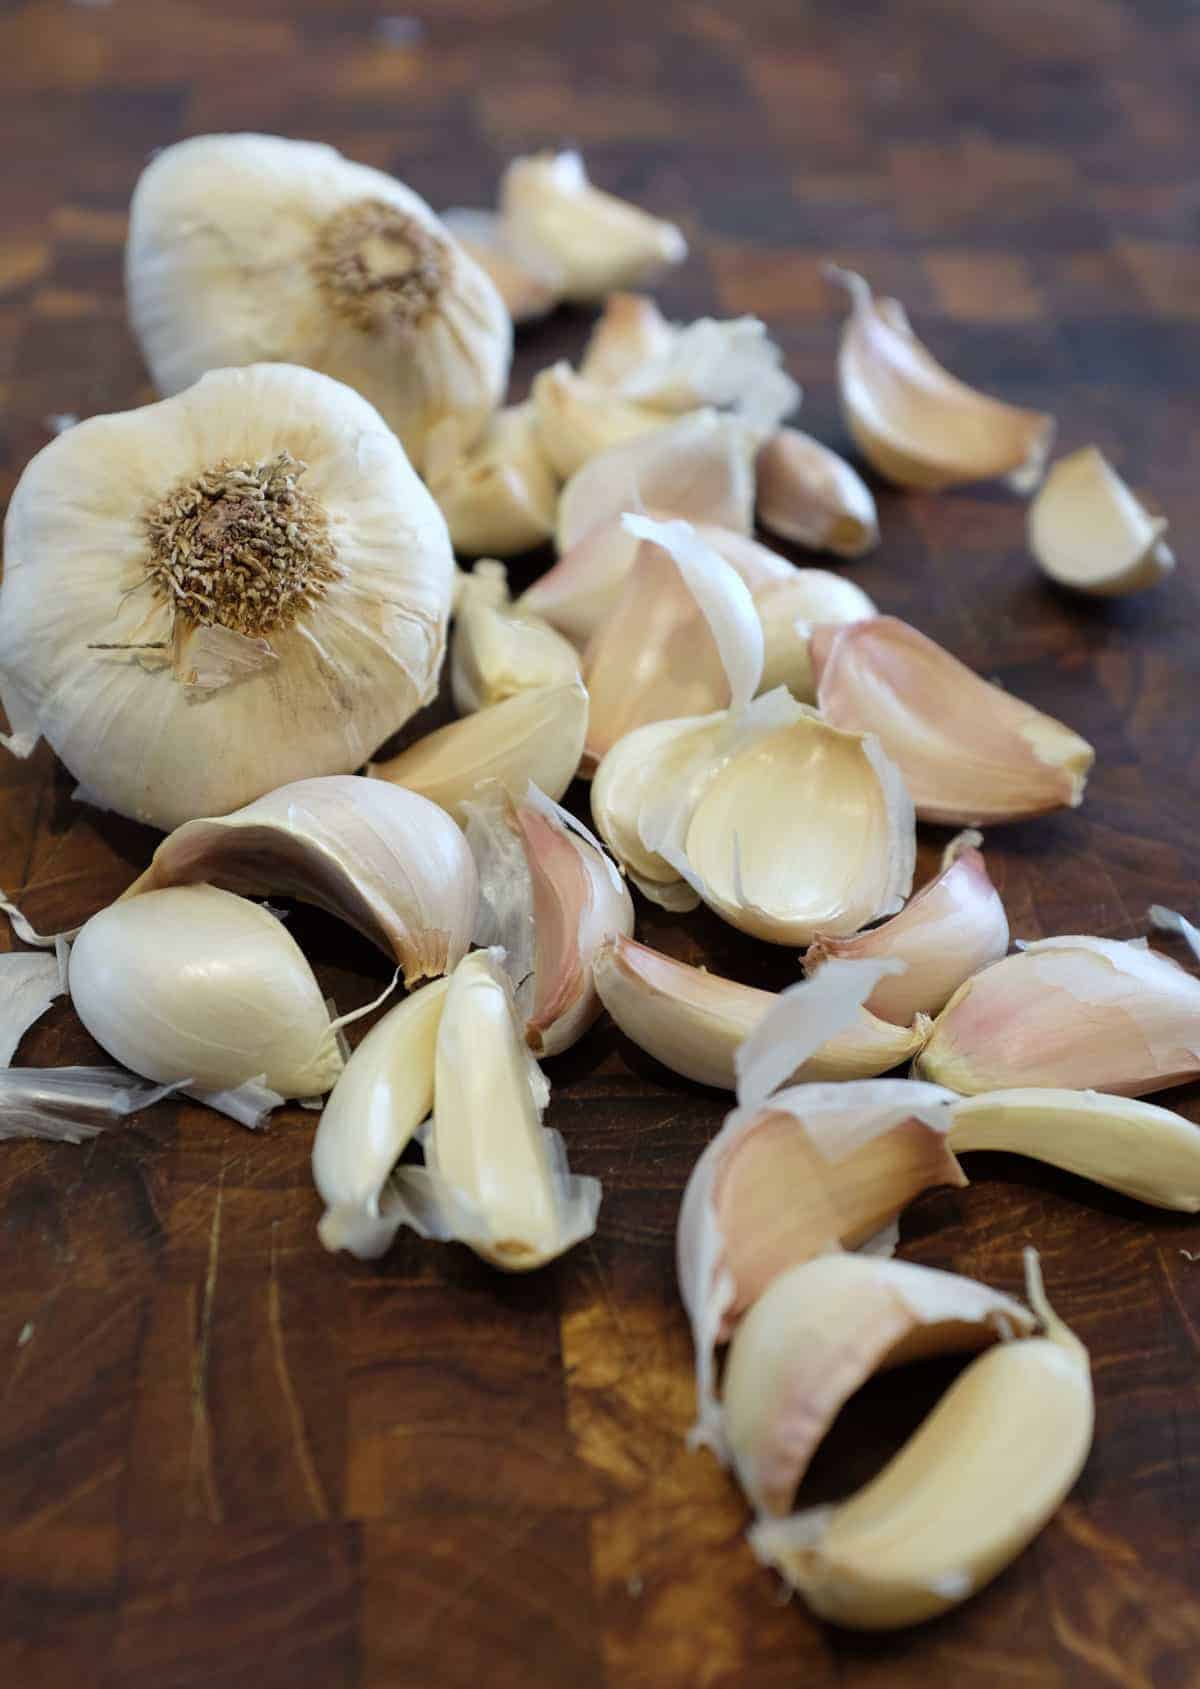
(497, 651)
(730, 364)
(789, 610)
(529, 283)
(1088, 531)
(30, 980)
(69, 1104)
(499, 495)
(800, 1023)
(577, 421)
(812, 496)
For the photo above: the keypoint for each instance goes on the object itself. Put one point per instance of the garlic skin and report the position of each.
(971, 754)
(530, 284)
(105, 628)
(630, 332)
(29, 982)
(576, 420)
(195, 984)
(731, 364)
(385, 860)
(951, 929)
(812, 496)
(1088, 531)
(1074, 1012)
(498, 651)
(498, 497)
(247, 249)
(69, 1104)
(914, 422)
(789, 610)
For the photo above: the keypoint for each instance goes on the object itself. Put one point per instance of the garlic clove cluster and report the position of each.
(529, 282)
(1089, 532)
(498, 496)
(497, 650)
(577, 420)
(812, 496)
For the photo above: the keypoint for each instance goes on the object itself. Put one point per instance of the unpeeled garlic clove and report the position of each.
(1088, 531)
(970, 753)
(1076, 1012)
(498, 651)
(810, 495)
(536, 735)
(577, 420)
(530, 283)
(385, 860)
(916, 423)
(789, 610)
(500, 495)
(815, 1336)
(629, 333)
(952, 928)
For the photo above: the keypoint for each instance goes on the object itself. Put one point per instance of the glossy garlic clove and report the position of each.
(812, 496)
(1089, 532)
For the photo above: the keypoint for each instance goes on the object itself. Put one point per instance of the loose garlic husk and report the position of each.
(550, 898)
(499, 497)
(128, 599)
(1074, 1012)
(246, 249)
(789, 610)
(812, 496)
(385, 860)
(913, 421)
(529, 283)
(630, 333)
(498, 651)
(69, 1105)
(952, 928)
(970, 753)
(29, 983)
(576, 420)
(1088, 531)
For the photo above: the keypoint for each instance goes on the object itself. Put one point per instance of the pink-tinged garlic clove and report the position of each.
(630, 332)
(1089, 532)
(812, 496)
(578, 420)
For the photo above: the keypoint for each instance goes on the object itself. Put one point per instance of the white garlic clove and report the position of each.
(812, 496)
(533, 736)
(1072, 1012)
(952, 928)
(815, 1336)
(1088, 531)
(530, 283)
(789, 610)
(30, 980)
(499, 496)
(600, 243)
(916, 423)
(195, 984)
(732, 365)
(971, 754)
(577, 420)
(630, 331)
(498, 651)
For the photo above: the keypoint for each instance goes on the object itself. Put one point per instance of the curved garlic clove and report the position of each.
(812, 496)
(1088, 531)
(599, 242)
(195, 984)
(387, 861)
(529, 283)
(577, 421)
(789, 610)
(630, 331)
(500, 496)
(1076, 1012)
(952, 928)
(731, 364)
(533, 736)
(815, 1336)
(912, 420)
(497, 651)
(970, 753)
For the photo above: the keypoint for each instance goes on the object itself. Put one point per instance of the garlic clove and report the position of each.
(500, 496)
(1088, 531)
(913, 421)
(731, 364)
(497, 651)
(530, 283)
(810, 495)
(385, 860)
(789, 610)
(577, 420)
(1073, 1012)
(536, 735)
(815, 1336)
(630, 332)
(601, 243)
(970, 753)
(952, 928)
(30, 980)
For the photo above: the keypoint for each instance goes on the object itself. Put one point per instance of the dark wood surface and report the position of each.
(229, 1459)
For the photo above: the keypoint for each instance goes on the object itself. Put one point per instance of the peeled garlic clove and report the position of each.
(630, 332)
(499, 496)
(387, 861)
(731, 364)
(529, 283)
(815, 1336)
(577, 421)
(952, 928)
(789, 610)
(1076, 1012)
(536, 735)
(195, 984)
(1088, 531)
(600, 243)
(810, 495)
(916, 423)
(967, 1492)
(970, 753)
(497, 651)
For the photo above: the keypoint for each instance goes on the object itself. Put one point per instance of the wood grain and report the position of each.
(229, 1459)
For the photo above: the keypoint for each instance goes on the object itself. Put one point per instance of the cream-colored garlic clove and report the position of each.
(500, 496)
(971, 754)
(1088, 531)
(1076, 1012)
(952, 928)
(530, 283)
(789, 610)
(497, 651)
(577, 420)
(385, 860)
(815, 1336)
(536, 735)
(913, 421)
(812, 496)
(600, 243)
(630, 332)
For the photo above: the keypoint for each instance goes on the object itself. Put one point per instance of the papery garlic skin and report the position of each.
(530, 284)
(69, 1104)
(30, 980)
(498, 496)
(117, 582)
(1089, 532)
(789, 610)
(246, 249)
(498, 651)
(577, 421)
(812, 496)
(195, 984)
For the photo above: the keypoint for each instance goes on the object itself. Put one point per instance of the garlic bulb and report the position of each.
(530, 283)
(810, 495)
(215, 595)
(497, 650)
(1088, 531)
(248, 249)
(500, 496)
(577, 420)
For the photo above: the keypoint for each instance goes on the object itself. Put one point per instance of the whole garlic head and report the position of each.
(252, 248)
(211, 596)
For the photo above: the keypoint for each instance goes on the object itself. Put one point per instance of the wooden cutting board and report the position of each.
(229, 1459)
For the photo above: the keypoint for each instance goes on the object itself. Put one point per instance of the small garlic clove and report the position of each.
(913, 421)
(497, 651)
(789, 610)
(385, 860)
(812, 496)
(1088, 531)
(630, 331)
(577, 420)
(1073, 1012)
(30, 980)
(499, 496)
(536, 735)
(530, 283)
(815, 1336)
(731, 364)
(971, 754)
(952, 928)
